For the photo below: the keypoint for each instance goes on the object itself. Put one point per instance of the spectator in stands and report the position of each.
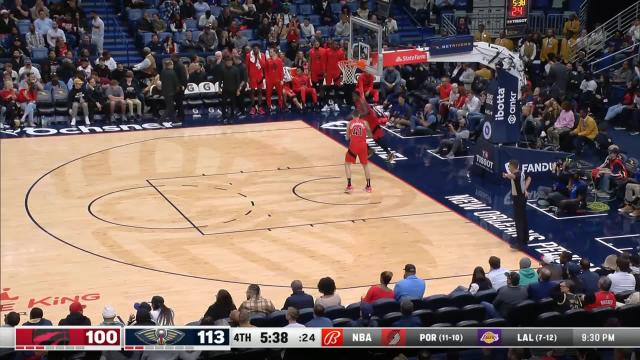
(542, 289)
(319, 320)
(85, 44)
(142, 318)
(390, 25)
(222, 307)
(27, 96)
(119, 73)
(327, 287)
(34, 39)
(482, 35)
(102, 71)
(380, 291)
(508, 297)
(61, 48)
(611, 173)
(97, 31)
(160, 313)
(365, 319)
(588, 279)
(146, 67)
(158, 25)
(207, 20)
(484, 72)
(298, 298)
(201, 7)
(496, 274)
(96, 97)
(527, 274)
(407, 319)
(256, 303)
(411, 287)
(54, 34)
(563, 124)
(109, 317)
(115, 97)
(462, 28)
(242, 318)
(623, 74)
(609, 265)
(567, 47)
(585, 132)
(75, 317)
(307, 30)
(132, 90)
(571, 26)
(622, 280)
(400, 113)
(292, 318)
(424, 122)
(155, 45)
(78, 98)
(108, 60)
(342, 27)
(480, 279)
(528, 50)
(566, 299)
(549, 45)
(391, 82)
(502, 40)
(43, 24)
(85, 67)
(170, 87)
(12, 319)
(55, 84)
(36, 318)
(20, 11)
(187, 10)
(603, 298)
(323, 8)
(8, 105)
(188, 44)
(169, 46)
(28, 68)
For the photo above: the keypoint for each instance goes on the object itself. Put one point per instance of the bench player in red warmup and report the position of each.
(256, 63)
(365, 112)
(357, 132)
(274, 74)
(365, 87)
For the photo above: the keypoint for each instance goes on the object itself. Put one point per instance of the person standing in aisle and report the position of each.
(170, 87)
(519, 184)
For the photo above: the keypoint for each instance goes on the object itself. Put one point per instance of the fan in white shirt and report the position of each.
(292, 317)
(307, 28)
(622, 280)
(497, 274)
(54, 34)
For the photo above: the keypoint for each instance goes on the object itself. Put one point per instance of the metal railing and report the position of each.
(631, 50)
(606, 31)
(583, 12)
(447, 23)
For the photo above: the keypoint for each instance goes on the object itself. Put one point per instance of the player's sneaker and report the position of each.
(368, 189)
(349, 189)
(73, 121)
(391, 157)
(336, 107)
(261, 111)
(252, 111)
(326, 108)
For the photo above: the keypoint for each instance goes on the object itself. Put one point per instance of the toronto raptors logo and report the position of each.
(332, 337)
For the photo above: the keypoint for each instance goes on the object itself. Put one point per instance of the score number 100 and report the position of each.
(211, 337)
(102, 337)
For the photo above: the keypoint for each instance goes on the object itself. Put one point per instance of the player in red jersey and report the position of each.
(317, 65)
(302, 86)
(256, 64)
(365, 87)
(274, 74)
(332, 73)
(357, 132)
(365, 111)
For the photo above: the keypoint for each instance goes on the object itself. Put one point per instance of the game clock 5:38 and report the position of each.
(274, 337)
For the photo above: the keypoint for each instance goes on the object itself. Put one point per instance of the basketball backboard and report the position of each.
(365, 42)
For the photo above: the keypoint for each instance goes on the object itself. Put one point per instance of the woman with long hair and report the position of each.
(478, 277)
(160, 313)
(222, 307)
(170, 47)
(380, 291)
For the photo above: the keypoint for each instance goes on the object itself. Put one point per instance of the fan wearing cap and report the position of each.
(109, 317)
(6, 22)
(78, 97)
(527, 274)
(75, 317)
(411, 287)
(508, 296)
(613, 168)
(548, 262)
(36, 318)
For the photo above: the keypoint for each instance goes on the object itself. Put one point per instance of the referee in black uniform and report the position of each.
(519, 184)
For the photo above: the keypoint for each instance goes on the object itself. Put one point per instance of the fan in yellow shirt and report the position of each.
(586, 131)
(549, 46)
(568, 46)
(504, 41)
(482, 35)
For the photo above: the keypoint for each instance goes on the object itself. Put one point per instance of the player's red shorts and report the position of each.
(255, 83)
(374, 124)
(332, 79)
(287, 91)
(360, 152)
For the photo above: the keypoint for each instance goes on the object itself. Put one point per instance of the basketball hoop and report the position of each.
(349, 68)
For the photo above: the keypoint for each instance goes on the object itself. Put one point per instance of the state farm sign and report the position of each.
(403, 57)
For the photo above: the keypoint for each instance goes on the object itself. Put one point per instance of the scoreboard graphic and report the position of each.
(216, 338)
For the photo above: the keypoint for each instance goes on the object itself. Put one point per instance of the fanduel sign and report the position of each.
(502, 111)
(30, 131)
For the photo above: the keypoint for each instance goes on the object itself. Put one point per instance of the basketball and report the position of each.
(361, 64)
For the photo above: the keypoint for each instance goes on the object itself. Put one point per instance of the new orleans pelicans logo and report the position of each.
(159, 336)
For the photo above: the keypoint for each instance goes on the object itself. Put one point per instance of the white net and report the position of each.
(348, 68)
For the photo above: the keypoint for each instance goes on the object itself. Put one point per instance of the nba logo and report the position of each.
(394, 337)
(332, 337)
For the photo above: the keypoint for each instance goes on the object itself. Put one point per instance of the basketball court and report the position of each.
(118, 218)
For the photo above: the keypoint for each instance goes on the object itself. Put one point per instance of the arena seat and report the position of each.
(622, 296)
(305, 315)
(602, 315)
(495, 322)
(449, 314)
(45, 105)
(305, 9)
(39, 53)
(335, 312)
(427, 317)
(342, 322)
(60, 98)
(385, 306)
(419, 304)
(462, 299)
(523, 314)
(191, 24)
(134, 14)
(474, 312)
(549, 319)
(486, 295)
(468, 323)
(577, 318)
(259, 320)
(23, 26)
(545, 305)
(208, 93)
(629, 315)
(192, 95)
(434, 302)
(441, 325)
(353, 311)
(278, 318)
(390, 318)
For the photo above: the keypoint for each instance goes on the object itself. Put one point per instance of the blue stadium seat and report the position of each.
(336, 7)
(449, 314)
(23, 26)
(45, 105)
(523, 314)
(427, 317)
(474, 312)
(342, 322)
(434, 302)
(134, 14)
(248, 33)
(293, 9)
(486, 295)
(388, 319)
(178, 37)
(462, 299)
(335, 312)
(299, 2)
(305, 9)
(325, 30)
(549, 319)
(305, 315)
(39, 53)
(353, 311)
(216, 11)
(278, 318)
(191, 24)
(495, 322)
(468, 323)
(577, 318)
(385, 306)
(629, 315)
(145, 37)
(259, 320)
(353, 6)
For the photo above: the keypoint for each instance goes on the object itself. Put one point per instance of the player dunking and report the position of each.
(357, 132)
(364, 111)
